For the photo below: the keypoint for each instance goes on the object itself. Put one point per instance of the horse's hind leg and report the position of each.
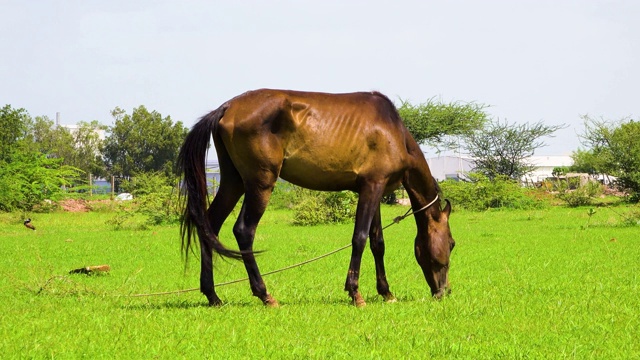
(230, 191)
(377, 248)
(255, 202)
(206, 272)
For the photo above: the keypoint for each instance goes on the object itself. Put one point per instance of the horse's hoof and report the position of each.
(215, 302)
(358, 301)
(389, 298)
(271, 302)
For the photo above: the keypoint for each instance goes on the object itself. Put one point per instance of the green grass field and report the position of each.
(552, 283)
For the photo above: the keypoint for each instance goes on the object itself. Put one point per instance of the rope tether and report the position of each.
(395, 221)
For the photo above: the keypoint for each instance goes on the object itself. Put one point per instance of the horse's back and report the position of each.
(317, 140)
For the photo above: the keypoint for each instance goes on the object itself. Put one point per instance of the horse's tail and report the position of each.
(191, 164)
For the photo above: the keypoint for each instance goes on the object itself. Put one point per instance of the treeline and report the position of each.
(40, 160)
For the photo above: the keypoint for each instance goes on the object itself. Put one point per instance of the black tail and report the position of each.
(191, 164)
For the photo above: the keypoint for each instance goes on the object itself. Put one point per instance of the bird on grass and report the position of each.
(28, 224)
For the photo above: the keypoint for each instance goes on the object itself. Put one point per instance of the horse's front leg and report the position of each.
(253, 207)
(368, 203)
(377, 248)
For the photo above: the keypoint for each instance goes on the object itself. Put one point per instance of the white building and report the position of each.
(545, 164)
(450, 167)
(102, 134)
(454, 167)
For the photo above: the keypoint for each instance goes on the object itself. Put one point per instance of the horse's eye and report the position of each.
(453, 244)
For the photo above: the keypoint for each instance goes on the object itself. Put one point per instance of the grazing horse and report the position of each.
(319, 141)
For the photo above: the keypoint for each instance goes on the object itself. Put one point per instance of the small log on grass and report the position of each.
(91, 269)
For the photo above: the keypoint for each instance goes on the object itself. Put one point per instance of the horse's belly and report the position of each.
(319, 176)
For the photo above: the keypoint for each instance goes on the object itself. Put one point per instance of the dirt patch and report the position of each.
(74, 205)
(82, 205)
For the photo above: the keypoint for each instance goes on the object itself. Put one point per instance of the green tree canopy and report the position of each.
(13, 125)
(586, 161)
(28, 172)
(502, 148)
(614, 149)
(437, 124)
(43, 136)
(88, 145)
(142, 141)
(79, 147)
(30, 178)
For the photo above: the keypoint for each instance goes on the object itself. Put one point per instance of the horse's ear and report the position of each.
(447, 208)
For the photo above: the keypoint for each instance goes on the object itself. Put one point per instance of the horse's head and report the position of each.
(433, 250)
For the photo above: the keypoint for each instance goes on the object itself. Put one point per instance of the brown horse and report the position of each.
(318, 141)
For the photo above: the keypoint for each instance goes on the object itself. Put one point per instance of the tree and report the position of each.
(34, 157)
(503, 149)
(43, 136)
(79, 147)
(438, 123)
(12, 129)
(88, 144)
(587, 161)
(30, 178)
(141, 142)
(613, 149)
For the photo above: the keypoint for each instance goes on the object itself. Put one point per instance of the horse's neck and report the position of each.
(421, 189)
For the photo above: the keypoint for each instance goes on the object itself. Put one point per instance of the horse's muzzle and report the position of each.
(440, 293)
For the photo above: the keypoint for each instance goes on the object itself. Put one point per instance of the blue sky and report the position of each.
(549, 61)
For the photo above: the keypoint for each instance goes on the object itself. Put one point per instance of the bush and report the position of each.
(315, 208)
(160, 207)
(154, 196)
(575, 195)
(122, 218)
(147, 183)
(30, 178)
(632, 218)
(481, 193)
(285, 195)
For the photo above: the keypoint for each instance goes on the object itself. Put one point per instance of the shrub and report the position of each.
(481, 193)
(154, 197)
(315, 208)
(147, 183)
(30, 178)
(120, 219)
(632, 218)
(560, 171)
(160, 207)
(575, 195)
(285, 195)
